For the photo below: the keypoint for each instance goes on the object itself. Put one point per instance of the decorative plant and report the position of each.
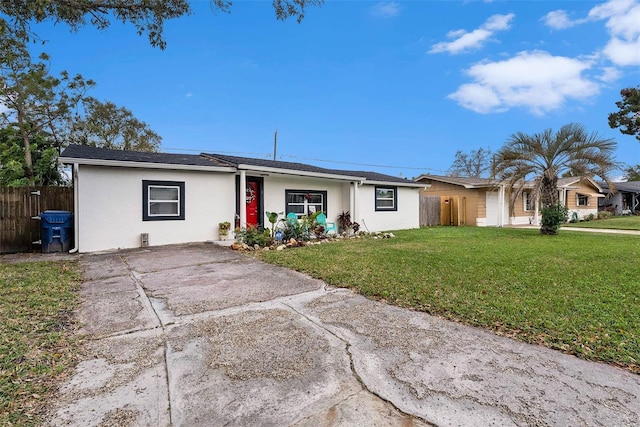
(253, 235)
(223, 229)
(273, 219)
(355, 227)
(344, 221)
(297, 230)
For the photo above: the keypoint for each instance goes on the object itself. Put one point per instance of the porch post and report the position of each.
(243, 199)
(537, 207)
(501, 198)
(354, 212)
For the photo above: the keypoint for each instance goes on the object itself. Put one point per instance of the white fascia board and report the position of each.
(455, 182)
(267, 169)
(397, 184)
(143, 165)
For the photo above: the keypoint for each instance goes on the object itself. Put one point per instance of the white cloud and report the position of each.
(465, 41)
(534, 80)
(610, 74)
(188, 94)
(558, 20)
(623, 24)
(386, 9)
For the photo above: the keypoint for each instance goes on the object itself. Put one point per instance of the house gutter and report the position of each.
(397, 184)
(268, 169)
(145, 165)
(76, 237)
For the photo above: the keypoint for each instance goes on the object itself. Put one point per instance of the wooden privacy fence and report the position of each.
(429, 210)
(19, 206)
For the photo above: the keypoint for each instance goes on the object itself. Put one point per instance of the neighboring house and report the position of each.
(178, 198)
(487, 202)
(625, 200)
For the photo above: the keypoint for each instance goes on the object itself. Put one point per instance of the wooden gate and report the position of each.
(429, 210)
(453, 210)
(20, 208)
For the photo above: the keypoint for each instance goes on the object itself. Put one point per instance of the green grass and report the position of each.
(616, 222)
(575, 292)
(36, 340)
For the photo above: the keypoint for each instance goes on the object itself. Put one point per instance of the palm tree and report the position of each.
(545, 156)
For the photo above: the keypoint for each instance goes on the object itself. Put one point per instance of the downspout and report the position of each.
(76, 231)
(243, 199)
(354, 213)
(501, 206)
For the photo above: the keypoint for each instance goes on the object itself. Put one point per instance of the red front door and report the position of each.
(252, 203)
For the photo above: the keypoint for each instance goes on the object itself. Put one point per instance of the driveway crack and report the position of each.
(354, 371)
(142, 291)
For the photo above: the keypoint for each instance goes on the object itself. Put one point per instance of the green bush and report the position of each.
(590, 217)
(604, 215)
(553, 217)
(252, 236)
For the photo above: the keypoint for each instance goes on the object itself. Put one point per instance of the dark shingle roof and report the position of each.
(627, 187)
(464, 181)
(213, 160)
(372, 176)
(86, 152)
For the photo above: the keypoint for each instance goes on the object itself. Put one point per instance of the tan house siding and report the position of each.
(571, 199)
(470, 202)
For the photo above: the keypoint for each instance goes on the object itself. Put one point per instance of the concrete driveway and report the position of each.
(197, 335)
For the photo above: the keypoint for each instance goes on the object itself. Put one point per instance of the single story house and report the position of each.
(123, 198)
(487, 202)
(625, 200)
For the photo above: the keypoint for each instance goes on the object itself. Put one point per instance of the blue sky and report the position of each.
(396, 87)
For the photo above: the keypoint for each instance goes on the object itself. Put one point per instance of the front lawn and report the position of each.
(616, 222)
(575, 292)
(36, 341)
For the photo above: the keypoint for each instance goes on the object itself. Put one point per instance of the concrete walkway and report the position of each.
(198, 335)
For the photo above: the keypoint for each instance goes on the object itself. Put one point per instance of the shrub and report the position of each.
(590, 217)
(553, 217)
(253, 235)
(604, 215)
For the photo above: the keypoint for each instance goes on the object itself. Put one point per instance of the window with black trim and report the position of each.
(582, 199)
(162, 200)
(528, 202)
(305, 202)
(386, 198)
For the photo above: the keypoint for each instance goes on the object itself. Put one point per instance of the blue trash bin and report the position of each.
(56, 231)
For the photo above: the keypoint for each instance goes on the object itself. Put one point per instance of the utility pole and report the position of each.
(275, 143)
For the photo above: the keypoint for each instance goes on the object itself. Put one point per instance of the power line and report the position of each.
(361, 164)
(268, 156)
(264, 155)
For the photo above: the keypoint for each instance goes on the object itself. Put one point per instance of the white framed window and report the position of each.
(527, 201)
(305, 202)
(582, 200)
(162, 200)
(386, 198)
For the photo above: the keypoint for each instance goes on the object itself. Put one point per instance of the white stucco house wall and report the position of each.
(122, 197)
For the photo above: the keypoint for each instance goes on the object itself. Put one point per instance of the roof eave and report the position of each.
(455, 182)
(268, 169)
(142, 165)
(398, 184)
